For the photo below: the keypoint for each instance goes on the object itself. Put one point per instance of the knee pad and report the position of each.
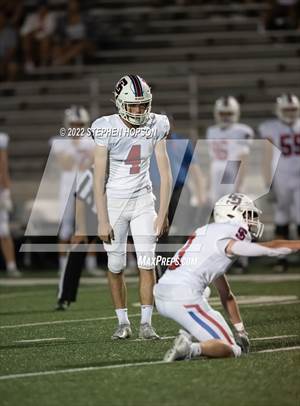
(282, 231)
(116, 262)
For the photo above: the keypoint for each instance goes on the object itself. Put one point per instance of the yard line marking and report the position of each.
(84, 369)
(134, 364)
(251, 339)
(46, 323)
(50, 289)
(36, 340)
(161, 338)
(103, 280)
(297, 347)
(273, 337)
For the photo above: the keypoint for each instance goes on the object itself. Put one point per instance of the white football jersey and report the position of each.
(129, 152)
(230, 143)
(287, 139)
(80, 149)
(203, 259)
(4, 140)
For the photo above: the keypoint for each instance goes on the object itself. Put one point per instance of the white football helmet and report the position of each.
(239, 207)
(76, 115)
(226, 111)
(288, 108)
(132, 89)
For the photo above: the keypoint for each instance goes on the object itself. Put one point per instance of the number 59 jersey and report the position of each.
(287, 139)
(203, 259)
(129, 152)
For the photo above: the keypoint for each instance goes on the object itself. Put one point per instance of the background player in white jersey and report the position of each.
(7, 244)
(229, 144)
(284, 133)
(74, 154)
(203, 260)
(123, 193)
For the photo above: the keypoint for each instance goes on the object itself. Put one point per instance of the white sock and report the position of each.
(195, 350)
(146, 312)
(62, 262)
(11, 266)
(237, 351)
(90, 262)
(122, 316)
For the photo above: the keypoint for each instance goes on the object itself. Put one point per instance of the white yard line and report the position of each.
(273, 337)
(265, 278)
(46, 323)
(37, 340)
(297, 347)
(251, 339)
(88, 369)
(161, 338)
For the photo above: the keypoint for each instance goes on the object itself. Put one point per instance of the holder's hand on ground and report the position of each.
(106, 233)
(242, 339)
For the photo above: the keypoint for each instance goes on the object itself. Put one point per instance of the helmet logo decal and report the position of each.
(138, 90)
(234, 199)
(123, 82)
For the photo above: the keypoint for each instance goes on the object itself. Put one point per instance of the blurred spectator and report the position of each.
(14, 11)
(282, 15)
(37, 32)
(72, 42)
(8, 45)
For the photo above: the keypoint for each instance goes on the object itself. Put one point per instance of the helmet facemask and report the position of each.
(135, 118)
(256, 228)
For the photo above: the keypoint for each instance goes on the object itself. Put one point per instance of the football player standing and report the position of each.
(7, 244)
(73, 154)
(229, 146)
(284, 133)
(203, 260)
(123, 193)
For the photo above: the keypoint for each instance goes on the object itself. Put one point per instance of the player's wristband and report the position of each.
(239, 327)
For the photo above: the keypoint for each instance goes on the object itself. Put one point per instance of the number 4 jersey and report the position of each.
(203, 259)
(287, 139)
(129, 151)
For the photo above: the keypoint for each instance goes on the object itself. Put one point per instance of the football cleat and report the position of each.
(181, 349)
(62, 305)
(281, 266)
(147, 332)
(13, 273)
(123, 331)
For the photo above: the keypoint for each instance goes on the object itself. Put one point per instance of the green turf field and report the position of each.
(87, 368)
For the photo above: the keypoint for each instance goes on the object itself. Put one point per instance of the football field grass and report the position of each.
(67, 358)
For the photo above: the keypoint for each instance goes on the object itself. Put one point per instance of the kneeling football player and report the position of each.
(204, 260)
